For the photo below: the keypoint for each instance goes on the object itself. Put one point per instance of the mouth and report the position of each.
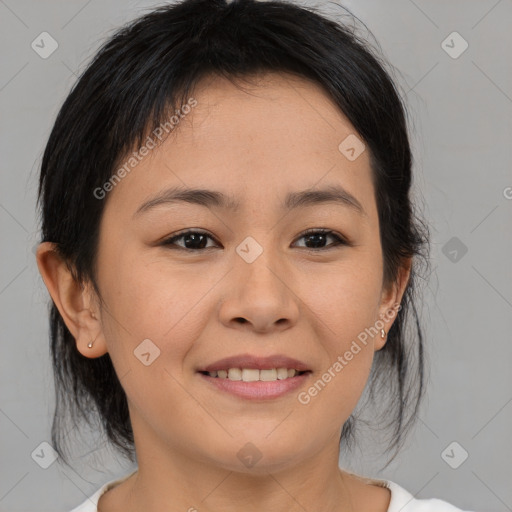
(247, 363)
(255, 378)
(255, 374)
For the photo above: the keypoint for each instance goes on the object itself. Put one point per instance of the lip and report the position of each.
(258, 390)
(256, 362)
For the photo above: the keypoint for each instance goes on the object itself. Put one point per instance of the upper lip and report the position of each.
(255, 362)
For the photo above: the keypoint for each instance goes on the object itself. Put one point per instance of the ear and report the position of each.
(76, 303)
(391, 299)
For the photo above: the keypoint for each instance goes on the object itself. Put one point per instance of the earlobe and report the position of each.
(73, 301)
(381, 338)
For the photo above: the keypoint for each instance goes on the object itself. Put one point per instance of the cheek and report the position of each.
(335, 389)
(147, 300)
(345, 304)
(345, 297)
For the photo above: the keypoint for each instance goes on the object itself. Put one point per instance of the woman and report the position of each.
(231, 251)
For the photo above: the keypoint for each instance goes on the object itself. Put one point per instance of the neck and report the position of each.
(180, 482)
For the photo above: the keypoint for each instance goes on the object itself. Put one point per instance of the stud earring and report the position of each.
(90, 343)
(382, 333)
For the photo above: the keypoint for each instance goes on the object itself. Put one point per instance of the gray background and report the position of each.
(461, 110)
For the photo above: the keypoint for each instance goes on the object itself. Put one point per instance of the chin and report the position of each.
(257, 455)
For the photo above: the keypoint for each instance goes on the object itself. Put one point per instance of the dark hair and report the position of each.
(148, 68)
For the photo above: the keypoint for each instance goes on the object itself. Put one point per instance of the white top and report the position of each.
(401, 500)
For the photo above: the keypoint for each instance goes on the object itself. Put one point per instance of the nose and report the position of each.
(259, 296)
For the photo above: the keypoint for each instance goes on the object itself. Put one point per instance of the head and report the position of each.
(288, 125)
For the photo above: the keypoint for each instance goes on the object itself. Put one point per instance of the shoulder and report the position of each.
(91, 503)
(403, 501)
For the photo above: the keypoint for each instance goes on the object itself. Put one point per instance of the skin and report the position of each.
(279, 135)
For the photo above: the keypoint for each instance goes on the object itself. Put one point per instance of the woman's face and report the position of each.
(255, 285)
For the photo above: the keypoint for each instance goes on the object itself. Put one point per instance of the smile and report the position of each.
(253, 384)
(253, 374)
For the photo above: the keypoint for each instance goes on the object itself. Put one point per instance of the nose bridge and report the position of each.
(258, 263)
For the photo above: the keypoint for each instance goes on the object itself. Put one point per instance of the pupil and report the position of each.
(321, 235)
(195, 237)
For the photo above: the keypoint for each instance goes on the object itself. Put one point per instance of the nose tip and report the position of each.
(257, 297)
(261, 326)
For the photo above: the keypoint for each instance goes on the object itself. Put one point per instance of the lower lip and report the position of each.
(258, 390)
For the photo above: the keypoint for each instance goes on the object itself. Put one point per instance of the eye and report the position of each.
(198, 240)
(317, 237)
(193, 240)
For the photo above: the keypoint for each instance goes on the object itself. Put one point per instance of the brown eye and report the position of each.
(192, 240)
(316, 238)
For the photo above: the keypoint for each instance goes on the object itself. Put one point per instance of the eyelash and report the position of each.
(339, 239)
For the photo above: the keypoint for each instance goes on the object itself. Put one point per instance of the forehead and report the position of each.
(258, 138)
(271, 108)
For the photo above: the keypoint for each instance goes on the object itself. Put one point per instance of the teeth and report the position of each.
(250, 375)
(282, 373)
(268, 375)
(235, 374)
(253, 375)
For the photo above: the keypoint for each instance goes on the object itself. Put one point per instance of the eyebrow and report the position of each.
(334, 194)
